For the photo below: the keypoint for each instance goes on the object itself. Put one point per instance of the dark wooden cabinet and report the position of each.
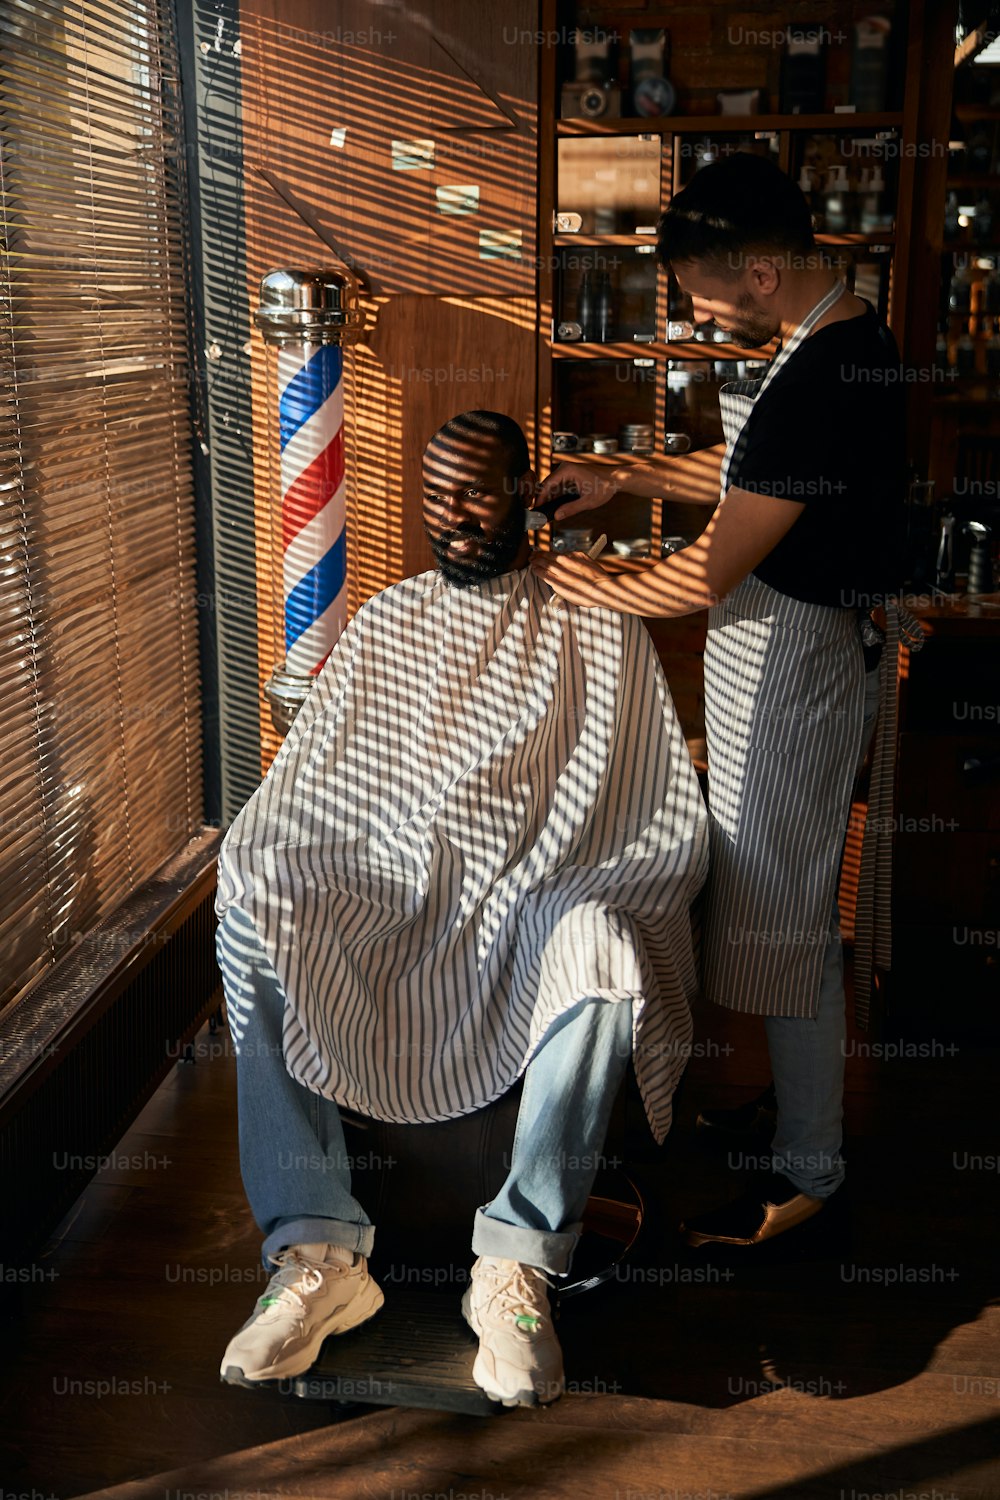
(945, 978)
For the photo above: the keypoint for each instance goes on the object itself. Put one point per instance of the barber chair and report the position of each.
(421, 1186)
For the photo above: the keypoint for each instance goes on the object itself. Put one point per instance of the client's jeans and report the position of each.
(294, 1159)
(807, 1057)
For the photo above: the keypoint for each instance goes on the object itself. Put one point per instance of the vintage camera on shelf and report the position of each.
(591, 101)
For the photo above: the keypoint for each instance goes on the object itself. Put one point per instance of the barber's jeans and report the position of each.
(807, 1057)
(294, 1159)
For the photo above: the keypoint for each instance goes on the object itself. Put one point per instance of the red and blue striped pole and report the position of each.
(313, 518)
(309, 314)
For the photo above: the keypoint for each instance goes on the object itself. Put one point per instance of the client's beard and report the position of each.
(494, 556)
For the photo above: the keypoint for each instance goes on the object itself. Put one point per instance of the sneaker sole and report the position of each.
(530, 1396)
(365, 1306)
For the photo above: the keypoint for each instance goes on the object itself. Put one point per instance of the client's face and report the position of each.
(473, 510)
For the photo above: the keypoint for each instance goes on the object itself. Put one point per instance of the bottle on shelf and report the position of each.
(979, 150)
(951, 217)
(705, 153)
(991, 293)
(944, 565)
(982, 227)
(603, 308)
(836, 208)
(806, 187)
(965, 354)
(941, 348)
(873, 216)
(678, 408)
(980, 558)
(993, 350)
(586, 308)
(870, 63)
(960, 292)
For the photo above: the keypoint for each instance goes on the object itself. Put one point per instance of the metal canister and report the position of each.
(636, 437)
(572, 538)
(671, 544)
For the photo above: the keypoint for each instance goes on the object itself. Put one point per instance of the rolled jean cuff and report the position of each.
(549, 1250)
(816, 1182)
(313, 1231)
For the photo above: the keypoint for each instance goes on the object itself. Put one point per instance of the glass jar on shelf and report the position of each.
(572, 538)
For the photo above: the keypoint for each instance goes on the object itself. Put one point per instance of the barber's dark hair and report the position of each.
(493, 424)
(741, 205)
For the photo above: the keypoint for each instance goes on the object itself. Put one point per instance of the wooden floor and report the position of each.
(868, 1369)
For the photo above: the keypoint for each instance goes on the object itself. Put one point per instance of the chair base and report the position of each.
(417, 1352)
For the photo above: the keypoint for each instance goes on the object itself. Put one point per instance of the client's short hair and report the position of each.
(733, 208)
(502, 430)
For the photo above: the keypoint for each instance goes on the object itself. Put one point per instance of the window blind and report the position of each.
(100, 774)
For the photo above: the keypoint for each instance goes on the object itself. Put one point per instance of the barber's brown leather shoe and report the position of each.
(771, 1206)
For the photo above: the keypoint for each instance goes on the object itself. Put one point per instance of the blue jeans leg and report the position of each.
(293, 1157)
(807, 1064)
(807, 1055)
(566, 1102)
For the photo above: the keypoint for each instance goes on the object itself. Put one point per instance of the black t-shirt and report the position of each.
(829, 432)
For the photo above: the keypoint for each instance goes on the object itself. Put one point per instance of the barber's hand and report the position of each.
(589, 486)
(571, 575)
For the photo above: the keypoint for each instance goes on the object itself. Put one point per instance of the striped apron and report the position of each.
(784, 704)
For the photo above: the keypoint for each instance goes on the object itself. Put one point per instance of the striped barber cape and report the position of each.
(484, 813)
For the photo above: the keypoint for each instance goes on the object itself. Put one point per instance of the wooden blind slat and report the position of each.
(100, 777)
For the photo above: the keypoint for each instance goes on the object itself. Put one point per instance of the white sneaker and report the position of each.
(519, 1362)
(318, 1290)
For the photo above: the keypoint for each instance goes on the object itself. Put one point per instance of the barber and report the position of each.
(797, 553)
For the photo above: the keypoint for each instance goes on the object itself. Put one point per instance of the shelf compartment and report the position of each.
(613, 185)
(690, 156)
(859, 154)
(625, 276)
(601, 395)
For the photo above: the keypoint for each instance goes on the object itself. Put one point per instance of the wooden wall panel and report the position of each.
(327, 91)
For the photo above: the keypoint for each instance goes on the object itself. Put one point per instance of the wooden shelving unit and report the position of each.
(687, 508)
(963, 418)
(672, 132)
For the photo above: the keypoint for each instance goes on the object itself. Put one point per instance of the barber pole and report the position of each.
(313, 540)
(308, 315)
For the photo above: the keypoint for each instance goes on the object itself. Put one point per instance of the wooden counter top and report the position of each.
(956, 614)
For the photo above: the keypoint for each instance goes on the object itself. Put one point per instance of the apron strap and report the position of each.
(873, 912)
